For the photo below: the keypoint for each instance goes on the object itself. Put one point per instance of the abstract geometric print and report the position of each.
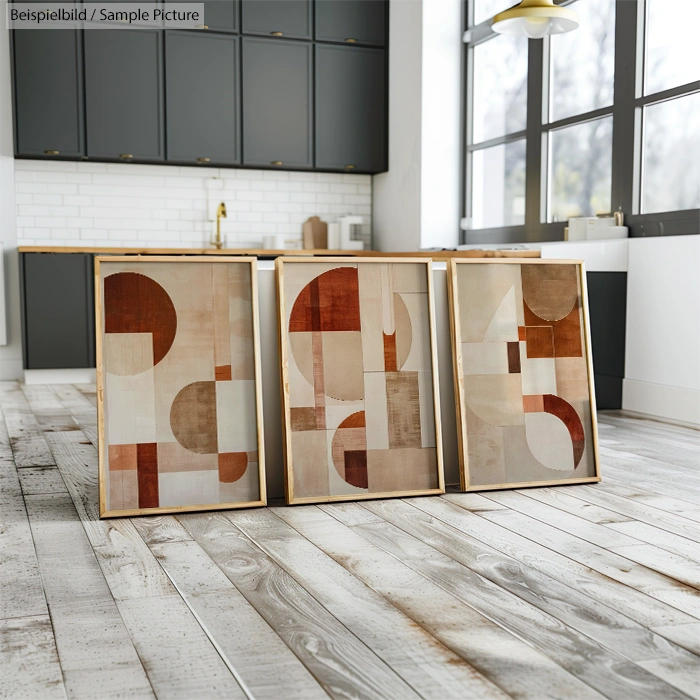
(357, 368)
(179, 377)
(525, 399)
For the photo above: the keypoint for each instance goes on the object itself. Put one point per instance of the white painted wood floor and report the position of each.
(569, 592)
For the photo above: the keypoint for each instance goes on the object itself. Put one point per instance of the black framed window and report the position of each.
(601, 119)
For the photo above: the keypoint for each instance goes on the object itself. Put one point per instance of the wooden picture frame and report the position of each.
(323, 410)
(472, 469)
(210, 456)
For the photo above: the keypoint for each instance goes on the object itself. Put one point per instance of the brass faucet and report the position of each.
(221, 211)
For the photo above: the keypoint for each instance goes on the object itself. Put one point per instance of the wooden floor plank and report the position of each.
(513, 665)
(430, 668)
(338, 660)
(651, 556)
(616, 588)
(637, 511)
(607, 634)
(28, 659)
(159, 529)
(656, 500)
(179, 658)
(94, 647)
(663, 588)
(73, 399)
(35, 480)
(224, 613)
(26, 438)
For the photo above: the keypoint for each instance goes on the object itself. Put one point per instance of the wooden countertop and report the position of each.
(256, 252)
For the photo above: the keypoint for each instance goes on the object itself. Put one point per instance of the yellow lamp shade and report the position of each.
(535, 19)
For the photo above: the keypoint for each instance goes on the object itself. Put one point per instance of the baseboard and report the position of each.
(11, 370)
(659, 400)
(60, 376)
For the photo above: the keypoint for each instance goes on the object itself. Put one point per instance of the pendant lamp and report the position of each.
(535, 19)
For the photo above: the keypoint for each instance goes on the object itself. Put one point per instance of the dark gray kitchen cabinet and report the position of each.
(351, 21)
(607, 304)
(350, 92)
(202, 97)
(219, 15)
(277, 103)
(124, 94)
(48, 91)
(58, 319)
(282, 18)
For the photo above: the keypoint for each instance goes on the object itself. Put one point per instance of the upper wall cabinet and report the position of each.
(292, 19)
(219, 15)
(202, 97)
(48, 80)
(352, 21)
(350, 109)
(124, 94)
(277, 103)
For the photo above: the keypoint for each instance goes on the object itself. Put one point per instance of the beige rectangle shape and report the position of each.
(235, 412)
(370, 282)
(376, 414)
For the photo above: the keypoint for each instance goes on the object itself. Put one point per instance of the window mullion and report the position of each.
(533, 152)
(626, 142)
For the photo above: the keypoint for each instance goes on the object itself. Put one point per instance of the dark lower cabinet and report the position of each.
(351, 21)
(277, 103)
(58, 319)
(48, 81)
(607, 304)
(221, 15)
(202, 97)
(350, 91)
(124, 94)
(292, 19)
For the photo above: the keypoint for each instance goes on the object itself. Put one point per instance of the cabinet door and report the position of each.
(277, 103)
(48, 86)
(202, 97)
(350, 109)
(352, 21)
(58, 310)
(124, 93)
(221, 15)
(287, 18)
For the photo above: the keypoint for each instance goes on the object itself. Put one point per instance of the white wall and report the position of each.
(416, 203)
(125, 204)
(10, 354)
(662, 356)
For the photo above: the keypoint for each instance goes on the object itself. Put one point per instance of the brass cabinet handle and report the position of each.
(351, 41)
(202, 26)
(203, 160)
(349, 167)
(126, 156)
(276, 162)
(51, 153)
(276, 33)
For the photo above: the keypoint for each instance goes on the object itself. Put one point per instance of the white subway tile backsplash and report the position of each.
(126, 204)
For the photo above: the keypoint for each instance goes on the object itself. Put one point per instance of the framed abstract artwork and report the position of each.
(359, 379)
(523, 373)
(178, 380)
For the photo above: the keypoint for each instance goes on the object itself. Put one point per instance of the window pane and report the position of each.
(500, 87)
(671, 165)
(485, 9)
(580, 167)
(498, 186)
(673, 57)
(583, 61)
